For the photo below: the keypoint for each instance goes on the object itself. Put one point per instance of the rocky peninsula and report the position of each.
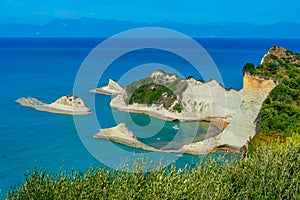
(184, 100)
(122, 135)
(189, 99)
(69, 105)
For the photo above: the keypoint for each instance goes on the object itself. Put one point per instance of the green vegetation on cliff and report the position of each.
(149, 94)
(171, 81)
(277, 64)
(154, 94)
(159, 88)
(279, 117)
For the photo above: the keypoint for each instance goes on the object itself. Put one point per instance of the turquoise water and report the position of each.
(46, 69)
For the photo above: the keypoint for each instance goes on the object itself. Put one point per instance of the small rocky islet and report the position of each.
(68, 104)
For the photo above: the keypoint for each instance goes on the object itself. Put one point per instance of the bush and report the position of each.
(178, 107)
(273, 57)
(189, 77)
(149, 94)
(249, 67)
(273, 172)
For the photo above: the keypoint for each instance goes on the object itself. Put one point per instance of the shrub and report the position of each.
(273, 172)
(273, 57)
(190, 77)
(149, 94)
(178, 107)
(249, 67)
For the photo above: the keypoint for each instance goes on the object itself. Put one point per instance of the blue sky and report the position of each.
(192, 11)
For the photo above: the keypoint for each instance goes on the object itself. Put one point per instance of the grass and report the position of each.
(272, 172)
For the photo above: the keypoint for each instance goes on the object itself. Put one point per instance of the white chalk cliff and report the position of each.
(199, 101)
(242, 126)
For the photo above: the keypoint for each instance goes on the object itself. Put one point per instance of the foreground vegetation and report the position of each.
(272, 173)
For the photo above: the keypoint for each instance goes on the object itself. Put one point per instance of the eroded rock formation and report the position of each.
(69, 105)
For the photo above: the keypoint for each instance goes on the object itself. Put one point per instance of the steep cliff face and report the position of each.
(210, 100)
(242, 127)
(256, 88)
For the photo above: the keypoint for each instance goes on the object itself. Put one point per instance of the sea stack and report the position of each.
(69, 105)
(113, 88)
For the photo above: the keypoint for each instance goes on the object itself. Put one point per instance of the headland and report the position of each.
(168, 97)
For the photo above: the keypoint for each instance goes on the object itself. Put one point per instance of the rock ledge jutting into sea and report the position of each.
(122, 135)
(69, 105)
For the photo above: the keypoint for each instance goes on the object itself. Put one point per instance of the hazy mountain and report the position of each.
(87, 27)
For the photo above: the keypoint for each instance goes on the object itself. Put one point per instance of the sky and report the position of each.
(191, 11)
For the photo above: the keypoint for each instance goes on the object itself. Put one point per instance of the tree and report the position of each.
(249, 67)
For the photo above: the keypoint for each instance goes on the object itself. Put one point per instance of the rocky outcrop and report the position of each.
(160, 77)
(122, 135)
(69, 105)
(242, 127)
(198, 100)
(276, 53)
(113, 88)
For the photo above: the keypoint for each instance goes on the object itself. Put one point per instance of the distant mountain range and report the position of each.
(88, 27)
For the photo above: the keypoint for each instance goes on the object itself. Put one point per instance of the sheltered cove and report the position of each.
(237, 110)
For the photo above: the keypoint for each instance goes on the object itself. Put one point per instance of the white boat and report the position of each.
(176, 127)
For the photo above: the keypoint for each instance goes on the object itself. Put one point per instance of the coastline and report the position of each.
(120, 134)
(232, 112)
(163, 114)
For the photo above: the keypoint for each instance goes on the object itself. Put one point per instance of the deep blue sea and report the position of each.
(46, 68)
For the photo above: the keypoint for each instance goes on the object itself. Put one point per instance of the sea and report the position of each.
(46, 68)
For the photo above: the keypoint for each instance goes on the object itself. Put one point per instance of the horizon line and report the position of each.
(161, 21)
